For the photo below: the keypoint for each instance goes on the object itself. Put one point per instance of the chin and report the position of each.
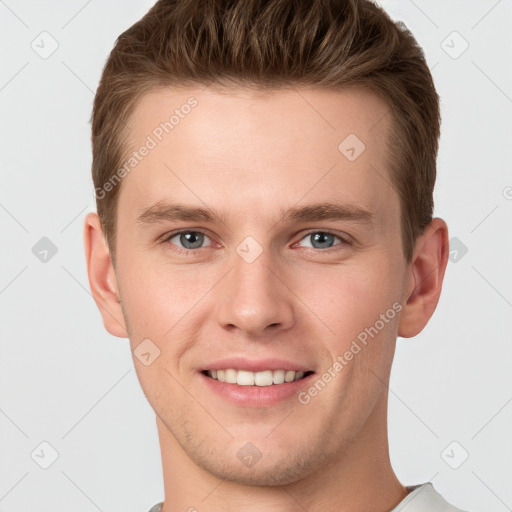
(264, 475)
(250, 466)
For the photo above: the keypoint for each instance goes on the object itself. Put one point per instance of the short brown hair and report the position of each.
(265, 44)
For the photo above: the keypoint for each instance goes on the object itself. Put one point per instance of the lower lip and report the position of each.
(256, 396)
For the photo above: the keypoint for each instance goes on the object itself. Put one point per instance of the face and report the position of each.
(261, 232)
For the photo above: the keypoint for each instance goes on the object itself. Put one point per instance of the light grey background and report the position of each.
(65, 381)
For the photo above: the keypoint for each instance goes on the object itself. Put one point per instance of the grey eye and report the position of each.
(189, 239)
(321, 240)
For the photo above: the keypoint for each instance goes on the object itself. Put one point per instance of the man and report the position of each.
(264, 174)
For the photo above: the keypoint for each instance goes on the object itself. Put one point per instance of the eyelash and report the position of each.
(167, 237)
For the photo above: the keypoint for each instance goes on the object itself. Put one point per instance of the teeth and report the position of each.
(289, 376)
(244, 378)
(265, 378)
(278, 377)
(231, 376)
(247, 378)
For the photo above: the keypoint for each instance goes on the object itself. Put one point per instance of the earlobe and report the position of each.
(102, 277)
(426, 273)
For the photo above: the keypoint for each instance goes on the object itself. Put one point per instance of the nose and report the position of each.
(254, 298)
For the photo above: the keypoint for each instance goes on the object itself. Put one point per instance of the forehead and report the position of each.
(249, 150)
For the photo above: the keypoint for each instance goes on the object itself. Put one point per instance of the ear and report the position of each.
(102, 277)
(426, 273)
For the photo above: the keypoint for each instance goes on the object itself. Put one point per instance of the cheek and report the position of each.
(151, 298)
(349, 298)
(165, 302)
(350, 301)
(162, 306)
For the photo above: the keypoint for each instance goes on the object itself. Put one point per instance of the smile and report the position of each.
(262, 378)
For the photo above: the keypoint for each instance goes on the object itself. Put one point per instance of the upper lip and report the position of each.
(255, 365)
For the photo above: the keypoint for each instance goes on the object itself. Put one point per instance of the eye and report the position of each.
(323, 240)
(187, 239)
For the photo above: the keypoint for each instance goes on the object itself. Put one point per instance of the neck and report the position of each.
(358, 479)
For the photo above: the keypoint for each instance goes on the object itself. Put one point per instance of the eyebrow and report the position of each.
(165, 212)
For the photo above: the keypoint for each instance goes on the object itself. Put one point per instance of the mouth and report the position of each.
(261, 378)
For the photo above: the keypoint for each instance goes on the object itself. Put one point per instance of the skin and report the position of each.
(251, 157)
